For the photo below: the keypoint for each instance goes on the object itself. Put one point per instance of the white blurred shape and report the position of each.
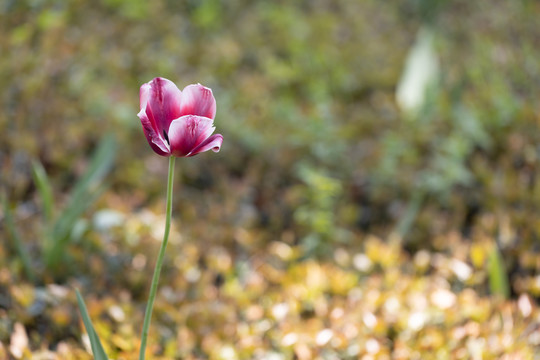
(420, 73)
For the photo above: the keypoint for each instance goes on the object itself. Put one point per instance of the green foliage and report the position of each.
(498, 275)
(317, 213)
(16, 239)
(130, 9)
(87, 189)
(97, 348)
(44, 189)
(449, 138)
(58, 229)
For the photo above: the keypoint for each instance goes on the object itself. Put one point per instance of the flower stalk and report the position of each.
(159, 262)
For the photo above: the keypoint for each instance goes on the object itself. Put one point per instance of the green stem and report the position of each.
(157, 269)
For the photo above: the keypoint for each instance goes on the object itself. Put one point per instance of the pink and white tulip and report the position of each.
(178, 123)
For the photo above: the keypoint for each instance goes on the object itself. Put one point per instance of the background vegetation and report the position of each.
(339, 220)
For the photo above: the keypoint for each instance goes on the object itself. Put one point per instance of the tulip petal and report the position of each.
(198, 100)
(144, 95)
(188, 132)
(213, 142)
(162, 102)
(154, 138)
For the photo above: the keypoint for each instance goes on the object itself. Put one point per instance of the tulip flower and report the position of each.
(178, 123)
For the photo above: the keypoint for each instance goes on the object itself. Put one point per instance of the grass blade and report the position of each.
(17, 241)
(95, 343)
(64, 226)
(45, 191)
(85, 193)
(82, 196)
(101, 163)
(498, 278)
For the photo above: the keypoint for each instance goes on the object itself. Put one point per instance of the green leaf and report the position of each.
(95, 343)
(498, 278)
(64, 227)
(85, 193)
(15, 237)
(101, 163)
(45, 191)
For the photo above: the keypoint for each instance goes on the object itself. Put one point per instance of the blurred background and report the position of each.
(376, 195)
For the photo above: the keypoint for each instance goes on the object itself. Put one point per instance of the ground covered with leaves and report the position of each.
(343, 218)
(374, 302)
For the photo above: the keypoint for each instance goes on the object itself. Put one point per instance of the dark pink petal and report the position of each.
(198, 100)
(188, 132)
(155, 139)
(213, 142)
(162, 102)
